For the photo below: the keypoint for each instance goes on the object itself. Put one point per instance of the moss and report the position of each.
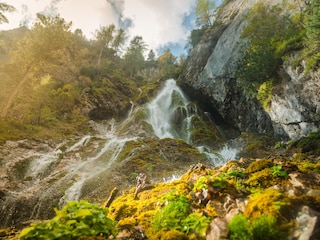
(265, 94)
(261, 178)
(171, 235)
(310, 143)
(269, 202)
(205, 132)
(309, 166)
(141, 212)
(256, 145)
(258, 165)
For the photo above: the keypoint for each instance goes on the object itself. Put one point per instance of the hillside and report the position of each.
(98, 141)
(269, 198)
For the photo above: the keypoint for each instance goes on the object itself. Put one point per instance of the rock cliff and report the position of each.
(210, 73)
(295, 103)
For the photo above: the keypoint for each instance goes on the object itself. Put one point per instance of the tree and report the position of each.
(195, 37)
(119, 39)
(205, 12)
(312, 41)
(104, 38)
(167, 64)
(48, 49)
(133, 58)
(151, 56)
(269, 34)
(5, 8)
(151, 60)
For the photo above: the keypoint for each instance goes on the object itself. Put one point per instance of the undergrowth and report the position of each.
(74, 220)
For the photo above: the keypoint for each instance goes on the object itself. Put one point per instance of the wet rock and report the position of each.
(307, 225)
(218, 229)
(304, 180)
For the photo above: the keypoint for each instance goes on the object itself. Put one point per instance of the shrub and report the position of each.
(277, 171)
(175, 215)
(263, 228)
(270, 35)
(239, 228)
(74, 220)
(196, 223)
(172, 214)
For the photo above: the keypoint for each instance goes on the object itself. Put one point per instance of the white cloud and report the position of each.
(159, 22)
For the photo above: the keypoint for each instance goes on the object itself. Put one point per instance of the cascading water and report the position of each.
(59, 175)
(170, 117)
(42, 175)
(93, 166)
(168, 105)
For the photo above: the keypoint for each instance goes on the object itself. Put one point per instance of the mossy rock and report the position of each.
(267, 202)
(311, 143)
(262, 179)
(256, 145)
(258, 165)
(171, 235)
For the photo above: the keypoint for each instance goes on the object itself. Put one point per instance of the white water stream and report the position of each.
(93, 166)
(165, 107)
(65, 172)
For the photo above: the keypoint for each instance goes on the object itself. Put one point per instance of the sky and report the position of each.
(161, 23)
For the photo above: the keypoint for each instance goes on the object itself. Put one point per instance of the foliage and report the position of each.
(215, 181)
(310, 143)
(201, 183)
(205, 12)
(264, 94)
(173, 213)
(195, 223)
(235, 173)
(272, 201)
(257, 66)
(263, 228)
(270, 33)
(277, 171)
(239, 228)
(74, 220)
(312, 42)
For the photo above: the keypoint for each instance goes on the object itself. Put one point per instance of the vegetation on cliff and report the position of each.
(271, 35)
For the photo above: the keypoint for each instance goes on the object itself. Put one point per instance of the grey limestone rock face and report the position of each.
(212, 76)
(210, 79)
(295, 104)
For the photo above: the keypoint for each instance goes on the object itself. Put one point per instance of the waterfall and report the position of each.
(48, 174)
(170, 115)
(169, 107)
